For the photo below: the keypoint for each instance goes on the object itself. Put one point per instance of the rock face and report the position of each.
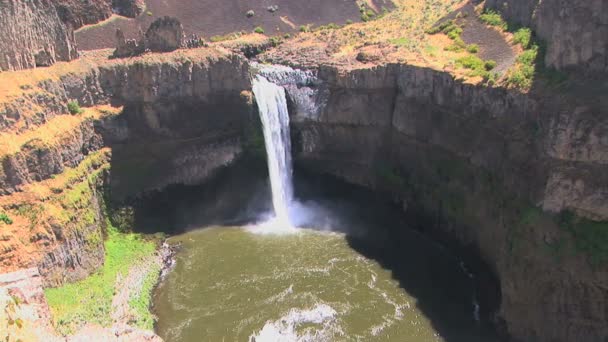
(33, 35)
(178, 127)
(576, 31)
(129, 8)
(39, 33)
(472, 163)
(128, 48)
(480, 159)
(164, 35)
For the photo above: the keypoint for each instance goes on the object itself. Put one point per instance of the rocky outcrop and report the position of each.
(165, 101)
(576, 31)
(164, 35)
(183, 119)
(472, 163)
(129, 8)
(37, 161)
(128, 48)
(33, 35)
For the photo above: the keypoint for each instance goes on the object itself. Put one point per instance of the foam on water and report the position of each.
(285, 329)
(274, 226)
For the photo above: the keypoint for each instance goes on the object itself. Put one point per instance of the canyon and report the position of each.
(516, 179)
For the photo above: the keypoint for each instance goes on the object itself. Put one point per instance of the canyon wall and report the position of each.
(479, 164)
(183, 118)
(38, 33)
(33, 35)
(576, 32)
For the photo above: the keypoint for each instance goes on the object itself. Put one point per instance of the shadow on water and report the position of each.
(374, 227)
(430, 272)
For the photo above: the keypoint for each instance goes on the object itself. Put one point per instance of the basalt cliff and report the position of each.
(516, 178)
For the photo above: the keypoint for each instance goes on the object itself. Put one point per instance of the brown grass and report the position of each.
(54, 131)
(40, 205)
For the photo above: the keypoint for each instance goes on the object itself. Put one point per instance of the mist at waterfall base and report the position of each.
(351, 272)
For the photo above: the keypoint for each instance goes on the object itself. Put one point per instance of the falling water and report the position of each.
(272, 105)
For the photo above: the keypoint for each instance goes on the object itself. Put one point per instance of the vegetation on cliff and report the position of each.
(91, 300)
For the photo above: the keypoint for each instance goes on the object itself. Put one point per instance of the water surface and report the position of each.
(239, 284)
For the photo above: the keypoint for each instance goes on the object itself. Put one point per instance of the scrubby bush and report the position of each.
(4, 218)
(258, 30)
(490, 64)
(250, 13)
(74, 108)
(493, 18)
(304, 28)
(523, 36)
(473, 48)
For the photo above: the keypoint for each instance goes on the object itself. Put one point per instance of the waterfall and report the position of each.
(272, 105)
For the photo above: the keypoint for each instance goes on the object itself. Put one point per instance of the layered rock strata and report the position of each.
(476, 163)
(33, 35)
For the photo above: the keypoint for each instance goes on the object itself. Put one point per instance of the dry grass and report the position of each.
(60, 201)
(54, 131)
(398, 36)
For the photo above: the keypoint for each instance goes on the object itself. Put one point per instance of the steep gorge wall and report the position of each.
(183, 119)
(37, 33)
(33, 35)
(481, 160)
(576, 31)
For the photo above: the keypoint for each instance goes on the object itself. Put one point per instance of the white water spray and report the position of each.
(272, 105)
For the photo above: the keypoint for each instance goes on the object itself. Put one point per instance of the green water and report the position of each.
(230, 284)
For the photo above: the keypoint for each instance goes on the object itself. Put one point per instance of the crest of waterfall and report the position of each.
(305, 90)
(272, 105)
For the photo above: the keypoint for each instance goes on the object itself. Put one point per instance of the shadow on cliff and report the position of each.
(233, 196)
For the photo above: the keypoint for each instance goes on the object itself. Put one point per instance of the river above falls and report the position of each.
(240, 284)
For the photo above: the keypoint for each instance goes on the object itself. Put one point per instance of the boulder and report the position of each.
(165, 34)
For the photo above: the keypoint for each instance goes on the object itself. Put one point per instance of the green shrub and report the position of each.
(348, 22)
(250, 13)
(4, 218)
(229, 36)
(479, 67)
(276, 41)
(148, 13)
(258, 30)
(490, 64)
(286, 36)
(330, 26)
(493, 18)
(473, 48)
(523, 36)
(74, 108)
(528, 57)
(522, 74)
(441, 27)
(304, 28)
(471, 62)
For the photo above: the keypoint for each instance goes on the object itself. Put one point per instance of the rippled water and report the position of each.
(240, 284)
